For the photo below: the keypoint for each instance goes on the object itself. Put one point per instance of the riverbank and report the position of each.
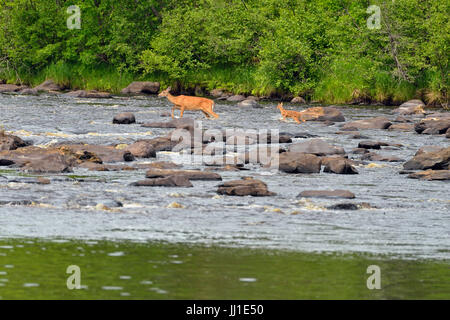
(333, 89)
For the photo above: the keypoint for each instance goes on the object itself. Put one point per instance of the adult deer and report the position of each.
(190, 103)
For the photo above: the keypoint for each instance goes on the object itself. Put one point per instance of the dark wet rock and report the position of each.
(38, 180)
(339, 166)
(236, 98)
(90, 94)
(142, 149)
(298, 100)
(142, 87)
(401, 127)
(431, 175)
(124, 118)
(370, 145)
(344, 206)
(10, 142)
(172, 181)
(189, 174)
(318, 147)
(17, 202)
(49, 86)
(436, 160)
(382, 158)
(175, 123)
(158, 165)
(373, 123)
(6, 88)
(433, 125)
(6, 162)
(447, 135)
(249, 103)
(245, 187)
(295, 162)
(327, 194)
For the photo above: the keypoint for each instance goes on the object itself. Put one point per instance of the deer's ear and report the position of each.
(281, 104)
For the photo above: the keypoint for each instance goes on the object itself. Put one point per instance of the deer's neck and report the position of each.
(172, 98)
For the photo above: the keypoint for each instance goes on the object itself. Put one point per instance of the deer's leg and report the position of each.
(206, 114)
(215, 115)
(173, 110)
(296, 120)
(181, 112)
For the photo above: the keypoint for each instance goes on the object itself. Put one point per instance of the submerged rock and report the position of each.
(245, 187)
(327, 194)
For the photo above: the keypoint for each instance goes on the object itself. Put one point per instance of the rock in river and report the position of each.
(10, 142)
(124, 118)
(318, 147)
(245, 187)
(295, 162)
(339, 166)
(431, 175)
(326, 194)
(436, 160)
(189, 174)
(172, 181)
(373, 123)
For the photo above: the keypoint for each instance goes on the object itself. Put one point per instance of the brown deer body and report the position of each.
(190, 103)
(308, 114)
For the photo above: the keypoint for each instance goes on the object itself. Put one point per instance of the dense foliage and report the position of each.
(321, 49)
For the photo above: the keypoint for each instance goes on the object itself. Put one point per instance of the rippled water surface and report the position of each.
(412, 219)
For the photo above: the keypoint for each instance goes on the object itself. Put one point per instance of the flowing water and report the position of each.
(409, 223)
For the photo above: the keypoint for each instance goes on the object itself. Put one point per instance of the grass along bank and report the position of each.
(344, 84)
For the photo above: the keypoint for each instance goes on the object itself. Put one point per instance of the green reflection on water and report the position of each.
(125, 270)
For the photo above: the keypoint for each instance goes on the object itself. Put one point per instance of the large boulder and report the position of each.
(295, 162)
(382, 158)
(298, 100)
(142, 149)
(339, 166)
(245, 187)
(142, 87)
(49, 86)
(402, 127)
(331, 114)
(373, 123)
(435, 160)
(435, 124)
(411, 107)
(124, 118)
(10, 142)
(107, 154)
(318, 147)
(345, 194)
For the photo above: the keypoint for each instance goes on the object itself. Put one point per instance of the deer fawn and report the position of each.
(190, 103)
(309, 114)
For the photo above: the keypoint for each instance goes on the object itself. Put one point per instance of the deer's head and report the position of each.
(280, 106)
(165, 93)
